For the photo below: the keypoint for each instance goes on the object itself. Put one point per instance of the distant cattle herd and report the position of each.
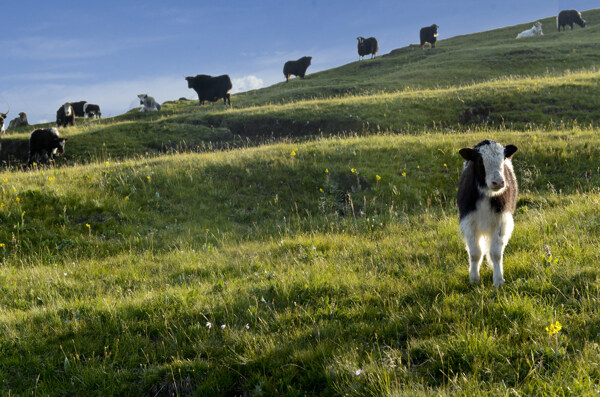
(45, 144)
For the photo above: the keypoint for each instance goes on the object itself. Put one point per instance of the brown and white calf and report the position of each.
(487, 197)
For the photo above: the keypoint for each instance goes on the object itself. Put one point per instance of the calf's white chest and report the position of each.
(485, 219)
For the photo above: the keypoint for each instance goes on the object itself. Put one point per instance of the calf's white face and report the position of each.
(493, 156)
(490, 159)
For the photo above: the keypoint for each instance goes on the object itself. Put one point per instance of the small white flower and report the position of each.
(314, 248)
(247, 326)
(358, 372)
(223, 326)
(65, 274)
(208, 324)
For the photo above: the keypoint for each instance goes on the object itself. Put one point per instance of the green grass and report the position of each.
(323, 248)
(367, 274)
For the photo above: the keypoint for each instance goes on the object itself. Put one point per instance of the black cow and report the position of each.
(429, 35)
(45, 144)
(78, 108)
(569, 17)
(91, 110)
(367, 46)
(297, 68)
(211, 88)
(65, 115)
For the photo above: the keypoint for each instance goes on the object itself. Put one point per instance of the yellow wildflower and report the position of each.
(377, 177)
(554, 328)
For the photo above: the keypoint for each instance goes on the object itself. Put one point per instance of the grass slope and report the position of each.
(540, 82)
(331, 265)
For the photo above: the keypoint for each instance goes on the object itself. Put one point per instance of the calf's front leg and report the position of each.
(499, 241)
(475, 257)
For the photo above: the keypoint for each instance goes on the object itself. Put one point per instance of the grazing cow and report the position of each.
(536, 30)
(78, 108)
(296, 68)
(3, 117)
(569, 17)
(429, 35)
(91, 110)
(148, 103)
(45, 144)
(211, 88)
(65, 115)
(487, 197)
(367, 47)
(19, 121)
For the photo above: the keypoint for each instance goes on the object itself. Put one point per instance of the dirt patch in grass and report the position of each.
(270, 128)
(13, 151)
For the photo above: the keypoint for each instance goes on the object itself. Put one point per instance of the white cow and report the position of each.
(536, 30)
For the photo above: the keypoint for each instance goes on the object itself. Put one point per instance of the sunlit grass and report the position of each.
(361, 286)
(317, 252)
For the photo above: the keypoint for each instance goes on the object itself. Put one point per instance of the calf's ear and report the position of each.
(509, 150)
(468, 153)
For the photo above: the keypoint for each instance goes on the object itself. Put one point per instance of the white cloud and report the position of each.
(246, 83)
(47, 48)
(45, 76)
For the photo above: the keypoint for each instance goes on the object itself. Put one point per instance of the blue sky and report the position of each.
(107, 52)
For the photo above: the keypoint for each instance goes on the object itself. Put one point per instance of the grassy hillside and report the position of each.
(320, 253)
(487, 79)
